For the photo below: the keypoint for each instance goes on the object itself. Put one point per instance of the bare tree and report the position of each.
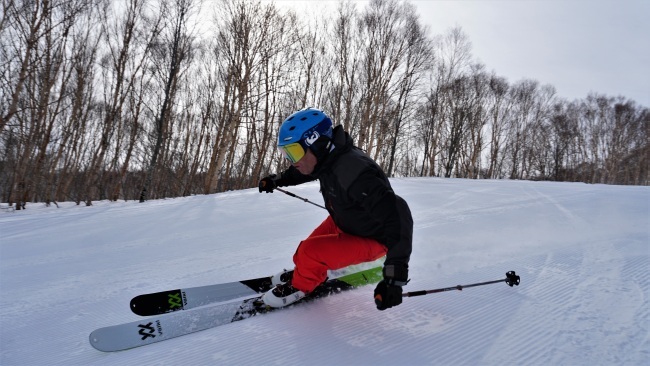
(442, 127)
(382, 56)
(499, 113)
(243, 36)
(84, 46)
(417, 55)
(40, 35)
(127, 35)
(175, 47)
(29, 19)
(346, 56)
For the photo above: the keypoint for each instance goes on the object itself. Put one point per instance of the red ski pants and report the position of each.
(329, 248)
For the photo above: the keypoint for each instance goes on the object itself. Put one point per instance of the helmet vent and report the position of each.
(292, 128)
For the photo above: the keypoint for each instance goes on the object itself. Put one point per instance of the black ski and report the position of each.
(187, 298)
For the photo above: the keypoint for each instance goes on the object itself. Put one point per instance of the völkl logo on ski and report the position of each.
(148, 330)
(174, 300)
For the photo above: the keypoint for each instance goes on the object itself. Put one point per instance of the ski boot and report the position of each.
(281, 277)
(282, 295)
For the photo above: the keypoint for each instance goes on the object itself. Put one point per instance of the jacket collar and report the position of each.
(341, 142)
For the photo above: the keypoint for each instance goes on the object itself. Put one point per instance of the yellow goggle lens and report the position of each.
(293, 152)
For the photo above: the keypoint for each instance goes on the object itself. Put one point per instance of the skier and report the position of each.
(366, 221)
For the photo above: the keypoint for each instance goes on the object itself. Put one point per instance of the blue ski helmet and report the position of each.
(305, 127)
(302, 130)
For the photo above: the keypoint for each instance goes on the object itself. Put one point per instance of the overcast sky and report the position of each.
(578, 46)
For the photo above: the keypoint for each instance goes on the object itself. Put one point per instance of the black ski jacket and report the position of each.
(359, 197)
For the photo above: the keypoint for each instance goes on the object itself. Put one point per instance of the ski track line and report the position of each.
(439, 217)
(447, 212)
(480, 326)
(554, 201)
(480, 329)
(597, 291)
(574, 289)
(635, 273)
(526, 335)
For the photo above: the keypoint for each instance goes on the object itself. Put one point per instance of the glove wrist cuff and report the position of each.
(396, 275)
(394, 282)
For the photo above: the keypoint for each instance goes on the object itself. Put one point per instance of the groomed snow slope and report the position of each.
(582, 252)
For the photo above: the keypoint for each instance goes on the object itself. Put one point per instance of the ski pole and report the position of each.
(300, 198)
(511, 280)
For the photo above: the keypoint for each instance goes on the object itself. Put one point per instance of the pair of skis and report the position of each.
(169, 321)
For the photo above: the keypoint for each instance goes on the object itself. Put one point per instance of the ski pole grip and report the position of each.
(414, 293)
(287, 192)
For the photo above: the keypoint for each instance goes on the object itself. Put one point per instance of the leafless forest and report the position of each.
(146, 99)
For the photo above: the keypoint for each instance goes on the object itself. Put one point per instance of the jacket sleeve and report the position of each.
(388, 209)
(292, 177)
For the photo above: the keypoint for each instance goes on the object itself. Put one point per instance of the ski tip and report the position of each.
(96, 342)
(136, 308)
(158, 303)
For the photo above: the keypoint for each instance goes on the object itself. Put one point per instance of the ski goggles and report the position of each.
(293, 152)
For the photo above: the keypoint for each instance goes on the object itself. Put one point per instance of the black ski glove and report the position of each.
(267, 184)
(389, 291)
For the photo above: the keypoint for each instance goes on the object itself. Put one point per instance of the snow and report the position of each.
(582, 252)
